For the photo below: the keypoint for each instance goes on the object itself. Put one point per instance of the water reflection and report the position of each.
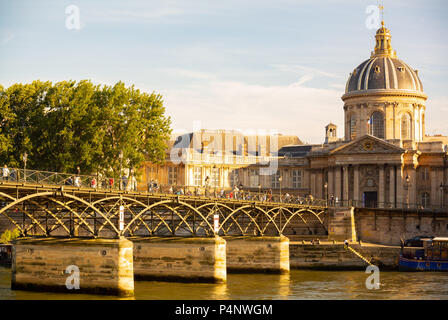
(299, 284)
(219, 292)
(284, 286)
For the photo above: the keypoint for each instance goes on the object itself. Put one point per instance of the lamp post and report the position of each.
(206, 185)
(280, 185)
(326, 193)
(442, 189)
(24, 158)
(121, 168)
(407, 184)
(214, 180)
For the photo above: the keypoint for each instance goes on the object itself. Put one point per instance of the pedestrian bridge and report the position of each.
(41, 203)
(124, 234)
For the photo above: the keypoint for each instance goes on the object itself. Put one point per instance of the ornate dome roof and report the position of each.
(383, 71)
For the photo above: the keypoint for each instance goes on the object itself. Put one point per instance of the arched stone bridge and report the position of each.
(46, 210)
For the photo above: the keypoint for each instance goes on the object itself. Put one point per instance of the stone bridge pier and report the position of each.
(100, 266)
(180, 259)
(259, 254)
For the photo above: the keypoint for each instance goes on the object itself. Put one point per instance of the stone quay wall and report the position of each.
(336, 257)
(105, 265)
(388, 226)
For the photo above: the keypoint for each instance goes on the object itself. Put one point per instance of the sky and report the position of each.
(250, 65)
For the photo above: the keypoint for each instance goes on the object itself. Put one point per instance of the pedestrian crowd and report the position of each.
(129, 183)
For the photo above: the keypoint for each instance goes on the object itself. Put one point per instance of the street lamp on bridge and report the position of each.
(280, 185)
(24, 158)
(121, 168)
(326, 193)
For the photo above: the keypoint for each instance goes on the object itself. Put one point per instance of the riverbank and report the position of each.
(323, 256)
(299, 284)
(334, 256)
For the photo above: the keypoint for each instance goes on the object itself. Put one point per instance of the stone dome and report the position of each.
(383, 71)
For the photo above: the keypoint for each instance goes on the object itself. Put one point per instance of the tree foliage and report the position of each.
(7, 236)
(68, 124)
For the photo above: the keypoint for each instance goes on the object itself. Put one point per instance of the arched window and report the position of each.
(406, 127)
(425, 199)
(376, 124)
(352, 127)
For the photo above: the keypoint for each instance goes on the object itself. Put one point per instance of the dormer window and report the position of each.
(377, 69)
(401, 69)
(354, 72)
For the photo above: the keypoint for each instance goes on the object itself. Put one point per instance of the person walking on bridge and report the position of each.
(5, 173)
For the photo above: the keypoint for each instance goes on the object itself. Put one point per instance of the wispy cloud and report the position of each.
(309, 70)
(291, 109)
(133, 15)
(7, 37)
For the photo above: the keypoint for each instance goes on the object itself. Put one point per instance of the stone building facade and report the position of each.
(385, 158)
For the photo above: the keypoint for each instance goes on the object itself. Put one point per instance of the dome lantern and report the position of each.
(383, 47)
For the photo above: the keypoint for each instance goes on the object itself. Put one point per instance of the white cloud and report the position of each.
(124, 15)
(7, 37)
(291, 109)
(297, 68)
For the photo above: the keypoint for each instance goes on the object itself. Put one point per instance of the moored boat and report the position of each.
(433, 256)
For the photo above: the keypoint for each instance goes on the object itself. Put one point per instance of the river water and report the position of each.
(299, 284)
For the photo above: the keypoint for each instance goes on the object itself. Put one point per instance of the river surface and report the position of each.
(299, 284)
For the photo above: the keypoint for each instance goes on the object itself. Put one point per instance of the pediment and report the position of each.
(367, 144)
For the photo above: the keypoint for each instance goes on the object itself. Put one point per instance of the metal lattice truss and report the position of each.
(46, 211)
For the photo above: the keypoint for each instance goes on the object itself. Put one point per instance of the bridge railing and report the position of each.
(242, 194)
(98, 182)
(26, 176)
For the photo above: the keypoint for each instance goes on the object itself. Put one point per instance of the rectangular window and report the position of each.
(197, 174)
(297, 179)
(424, 173)
(172, 175)
(425, 200)
(275, 183)
(254, 178)
(152, 172)
(215, 177)
(233, 177)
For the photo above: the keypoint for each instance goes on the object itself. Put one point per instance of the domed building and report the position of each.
(385, 158)
(384, 96)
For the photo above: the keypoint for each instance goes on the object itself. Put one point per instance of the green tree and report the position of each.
(68, 124)
(8, 236)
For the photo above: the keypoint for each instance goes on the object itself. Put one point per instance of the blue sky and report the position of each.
(256, 65)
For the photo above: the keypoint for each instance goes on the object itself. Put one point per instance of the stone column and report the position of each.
(401, 197)
(313, 184)
(381, 187)
(392, 186)
(337, 184)
(345, 184)
(434, 187)
(413, 188)
(319, 185)
(330, 183)
(356, 185)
